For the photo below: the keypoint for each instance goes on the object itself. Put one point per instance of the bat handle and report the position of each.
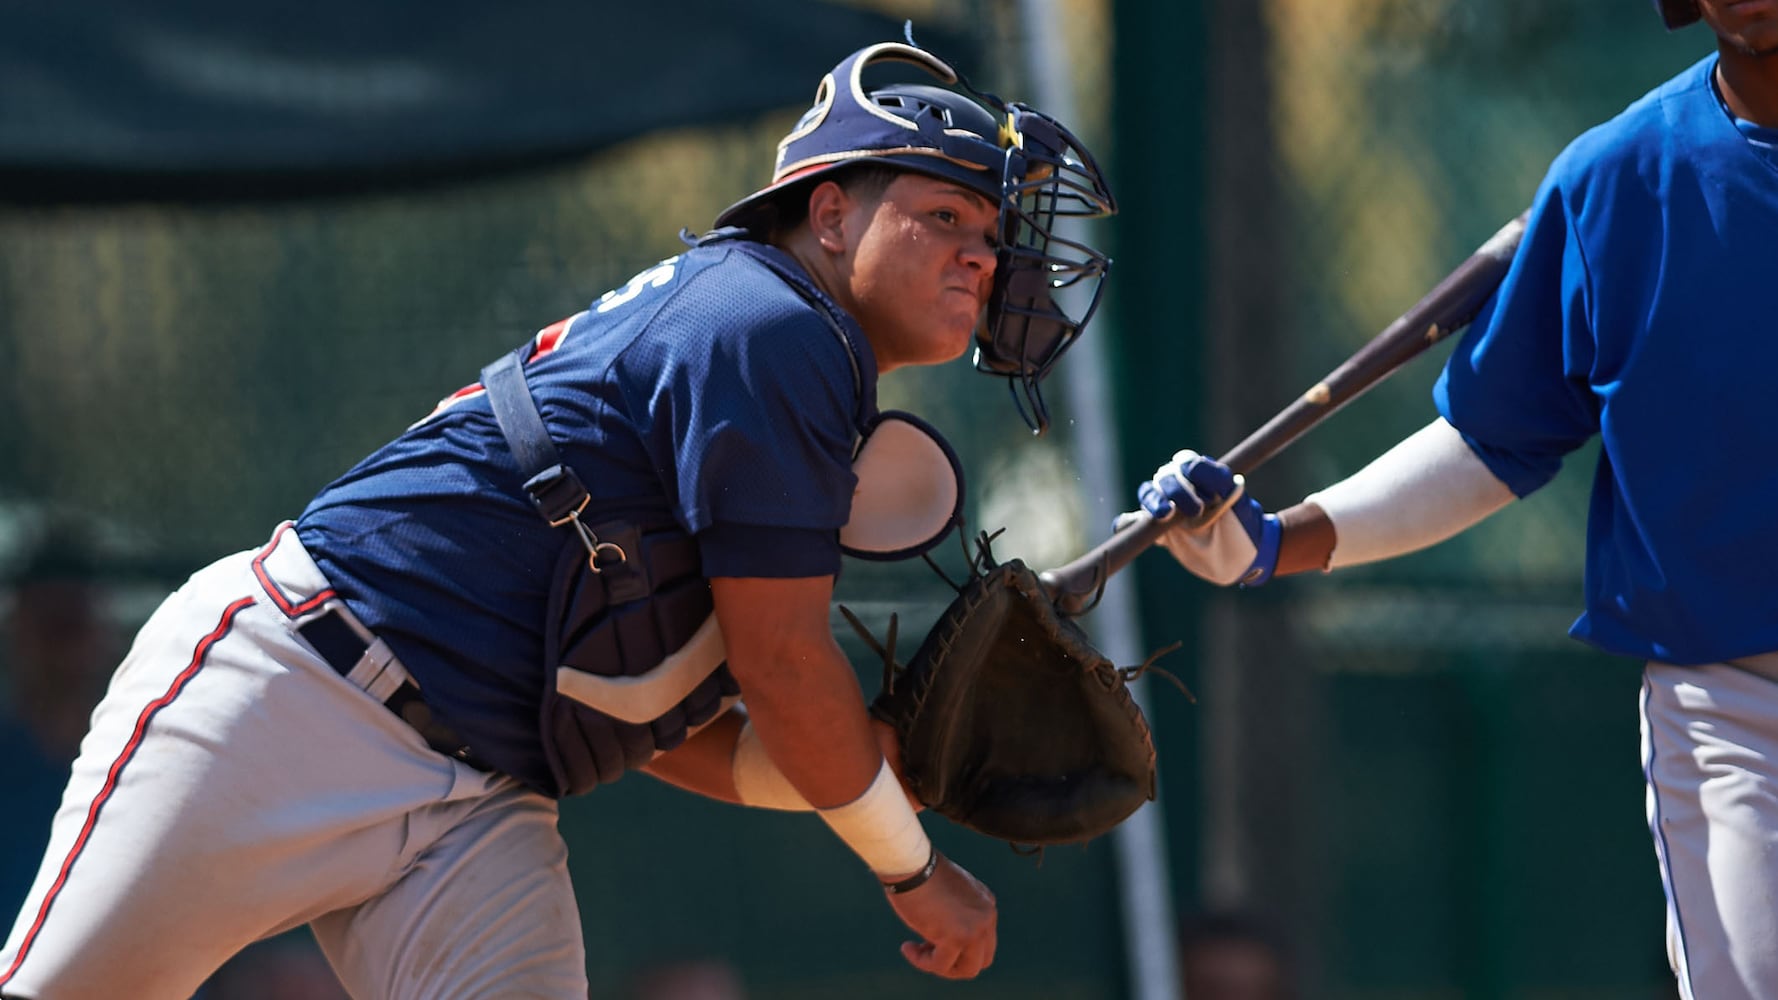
(1076, 586)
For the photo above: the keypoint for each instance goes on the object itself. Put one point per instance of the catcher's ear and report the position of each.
(909, 493)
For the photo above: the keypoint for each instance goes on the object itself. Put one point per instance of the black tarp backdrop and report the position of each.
(207, 98)
(224, 191)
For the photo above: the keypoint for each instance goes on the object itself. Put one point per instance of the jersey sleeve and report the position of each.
(1516, 386)
(760, 440)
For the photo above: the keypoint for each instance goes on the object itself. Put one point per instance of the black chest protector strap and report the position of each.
(555, 490)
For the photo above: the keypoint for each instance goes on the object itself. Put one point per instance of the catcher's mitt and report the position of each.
(1011, 723)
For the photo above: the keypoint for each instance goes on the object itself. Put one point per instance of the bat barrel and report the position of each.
(1447, 308)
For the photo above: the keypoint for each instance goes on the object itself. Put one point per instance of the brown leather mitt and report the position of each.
(1012, 724)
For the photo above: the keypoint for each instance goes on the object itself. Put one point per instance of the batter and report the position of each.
(1638, 309)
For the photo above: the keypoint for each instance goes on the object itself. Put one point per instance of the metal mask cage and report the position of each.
(1046, 285)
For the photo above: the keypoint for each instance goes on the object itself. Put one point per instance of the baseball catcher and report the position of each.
(613, 552)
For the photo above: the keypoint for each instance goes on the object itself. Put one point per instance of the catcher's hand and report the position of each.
(1011, 723)
(956, 919)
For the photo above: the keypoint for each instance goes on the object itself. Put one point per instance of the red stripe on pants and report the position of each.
(117, 766)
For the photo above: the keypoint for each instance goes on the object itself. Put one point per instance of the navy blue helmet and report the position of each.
(1017, 157)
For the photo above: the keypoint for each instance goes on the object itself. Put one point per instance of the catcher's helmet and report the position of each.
(1677, 13)
(1017, 157)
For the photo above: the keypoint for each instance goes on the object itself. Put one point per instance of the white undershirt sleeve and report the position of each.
(1420, 492)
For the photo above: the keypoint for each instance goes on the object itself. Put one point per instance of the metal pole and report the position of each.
(1144, 883)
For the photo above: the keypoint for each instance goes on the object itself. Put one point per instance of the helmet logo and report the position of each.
(1010, 137)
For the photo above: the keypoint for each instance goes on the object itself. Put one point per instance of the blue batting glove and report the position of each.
(1238, 546)
(1190, 485)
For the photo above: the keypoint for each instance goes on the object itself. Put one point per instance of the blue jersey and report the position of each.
(1639, 308)
(706, 393)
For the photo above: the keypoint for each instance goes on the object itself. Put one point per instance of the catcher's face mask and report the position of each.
(909, 492)
(1049, 176)
(1017, 157)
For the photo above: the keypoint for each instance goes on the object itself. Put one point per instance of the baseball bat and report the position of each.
(1449, 307)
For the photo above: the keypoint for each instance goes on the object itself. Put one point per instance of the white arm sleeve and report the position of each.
(1420, 492)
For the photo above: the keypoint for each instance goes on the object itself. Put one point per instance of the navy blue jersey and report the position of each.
(706, 393)
(1639, 308)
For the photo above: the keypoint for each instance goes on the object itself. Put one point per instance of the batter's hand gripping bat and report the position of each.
(1449, 307)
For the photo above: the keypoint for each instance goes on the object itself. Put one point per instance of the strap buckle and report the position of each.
(561, 498)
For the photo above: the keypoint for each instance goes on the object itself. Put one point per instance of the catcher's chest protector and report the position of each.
(622, 622)
(621, 600)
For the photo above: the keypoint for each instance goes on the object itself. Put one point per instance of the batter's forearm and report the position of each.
(1307, 541)
(1422, 491)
